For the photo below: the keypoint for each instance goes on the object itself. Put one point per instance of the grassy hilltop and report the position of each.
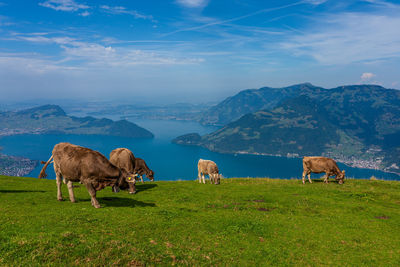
(242, 222)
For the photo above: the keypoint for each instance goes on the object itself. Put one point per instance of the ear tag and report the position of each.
(129, 178)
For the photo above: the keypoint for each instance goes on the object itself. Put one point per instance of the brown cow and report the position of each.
(123, 158)
(74, 163)
(141, 168)
(208, 167)
(320, 165)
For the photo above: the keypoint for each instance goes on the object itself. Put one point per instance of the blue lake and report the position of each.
(170, 161)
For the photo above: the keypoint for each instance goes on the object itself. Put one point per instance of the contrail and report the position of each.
(234, 19)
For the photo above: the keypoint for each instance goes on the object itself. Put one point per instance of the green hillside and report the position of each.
(368, 98)
(358, 125)
(252, 100)
(242, 222)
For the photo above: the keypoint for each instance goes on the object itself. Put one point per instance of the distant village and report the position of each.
(16, 166)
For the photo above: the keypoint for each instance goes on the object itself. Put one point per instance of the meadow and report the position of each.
(242, 222)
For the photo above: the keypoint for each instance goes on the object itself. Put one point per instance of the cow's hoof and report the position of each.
(60, 199)
(132, 192)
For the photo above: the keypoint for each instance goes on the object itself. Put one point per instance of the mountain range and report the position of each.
(52, 119)
(357, 124)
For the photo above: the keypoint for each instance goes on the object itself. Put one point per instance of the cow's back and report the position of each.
(140, 165)
(202, 165)
(319, 164)
(123, 158)
(207, 166)
(212, 168)
(76, 162)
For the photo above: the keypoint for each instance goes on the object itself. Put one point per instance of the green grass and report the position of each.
(242, 222)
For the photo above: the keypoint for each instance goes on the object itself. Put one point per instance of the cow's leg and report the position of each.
(203, 177)
(304, 176)
(326, 180)
(309, 177)
(92, 193)
(71, 192)
(59, 181)
(141, 178)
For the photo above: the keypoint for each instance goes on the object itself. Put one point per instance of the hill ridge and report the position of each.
(358, 125)
(51, 119)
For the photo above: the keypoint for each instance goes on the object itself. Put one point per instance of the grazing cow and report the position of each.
(74, 163)
(141, 168)
(322, 164)
(123, 158)
(208, 167)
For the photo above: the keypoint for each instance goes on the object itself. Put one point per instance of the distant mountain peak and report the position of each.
(305, 84)
(45, 110)
(52, 119)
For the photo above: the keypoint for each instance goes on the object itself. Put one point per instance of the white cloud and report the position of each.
(192, 3)
(63, 5)
(5, 21)
(315, 2)
(95, 55)
(84, 14)
(85, 54)
(42, 38)
(366, 76)
(345, 38)
(31, 64)
(124, 10)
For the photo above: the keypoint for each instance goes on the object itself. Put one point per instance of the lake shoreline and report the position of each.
(360, 164)
(170, 161)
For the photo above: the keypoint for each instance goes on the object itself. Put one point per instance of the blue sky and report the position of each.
(192, 50)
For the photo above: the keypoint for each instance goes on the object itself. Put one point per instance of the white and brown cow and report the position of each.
(74, 163)
(208, 167)
(320, 165)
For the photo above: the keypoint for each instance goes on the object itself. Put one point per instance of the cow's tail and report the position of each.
(42, 173)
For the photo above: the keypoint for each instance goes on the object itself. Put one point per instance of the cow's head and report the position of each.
(127, 181)
(340, 177)
(217, 178)
(150, 175)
